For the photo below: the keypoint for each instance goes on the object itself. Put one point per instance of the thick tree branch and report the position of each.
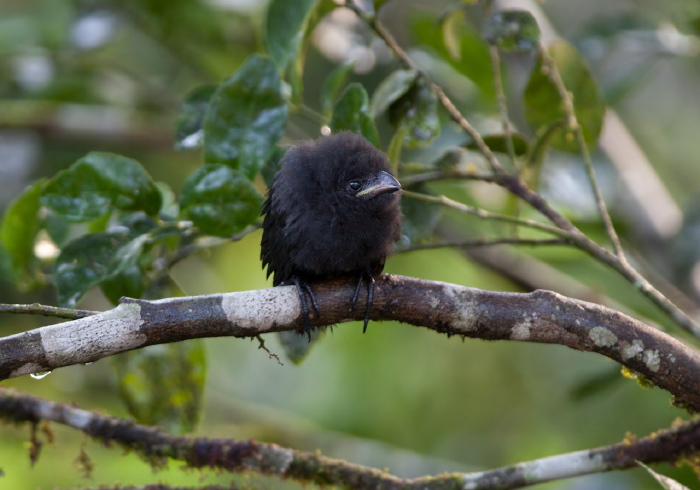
(540, 316)
(518, 188)
(155, 446)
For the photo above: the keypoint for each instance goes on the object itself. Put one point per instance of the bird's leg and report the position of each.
(303, 287)
(365, 275)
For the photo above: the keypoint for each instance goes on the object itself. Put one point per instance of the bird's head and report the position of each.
(342, 173)
(354, 173)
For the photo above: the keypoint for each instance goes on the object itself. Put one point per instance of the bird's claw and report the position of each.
(370, 296)
(303, 287)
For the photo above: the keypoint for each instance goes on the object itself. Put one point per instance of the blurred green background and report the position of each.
(79, 76)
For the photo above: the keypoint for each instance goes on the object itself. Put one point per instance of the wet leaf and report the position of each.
(18, 229)
(98, 182)
(512, 30)
(163, 384)
(416, 112)
(247, 116)
(351, 113)
(189, 133)
(285, 24)
(543, 105)
(90, 259)
(391, 89)
(220, 200)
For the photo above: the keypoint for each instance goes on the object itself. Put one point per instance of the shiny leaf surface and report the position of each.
(98, 182)
(247, 116)
(220, 200)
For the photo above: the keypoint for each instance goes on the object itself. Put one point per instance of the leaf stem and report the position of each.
(485, 215)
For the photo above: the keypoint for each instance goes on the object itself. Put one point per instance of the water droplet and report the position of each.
(40, 375)
(88, 364)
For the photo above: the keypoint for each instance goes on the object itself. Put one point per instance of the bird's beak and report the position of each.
(383, 183)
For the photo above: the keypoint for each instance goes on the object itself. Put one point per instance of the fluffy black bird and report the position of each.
(332, 210)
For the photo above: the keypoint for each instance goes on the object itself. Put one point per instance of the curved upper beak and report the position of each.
(382, 183)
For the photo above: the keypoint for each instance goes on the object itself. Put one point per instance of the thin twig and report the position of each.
(517, 187)
(38, 309)
(574, 125)
(486, 242)
(413, 180)
(486, 215)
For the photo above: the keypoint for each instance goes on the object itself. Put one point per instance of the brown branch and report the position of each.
(518, 188)
(156, 446)
(540, 316)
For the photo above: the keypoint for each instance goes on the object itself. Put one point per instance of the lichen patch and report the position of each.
(602, 337)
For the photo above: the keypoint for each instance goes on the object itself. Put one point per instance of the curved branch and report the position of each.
(155, 446)
(540, 316)
(518, 188)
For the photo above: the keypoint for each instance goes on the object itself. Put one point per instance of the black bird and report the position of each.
(332, 210)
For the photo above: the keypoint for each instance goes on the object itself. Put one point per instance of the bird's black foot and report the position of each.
(370, 295)
(303, 287)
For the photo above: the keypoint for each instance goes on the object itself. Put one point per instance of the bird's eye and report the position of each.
(355, 185)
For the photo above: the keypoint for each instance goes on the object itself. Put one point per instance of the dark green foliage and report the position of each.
(352, 113)
(189, 125)
(246, 117)
(512, 30)
(98, 183)
(543, 105)
(219, 200)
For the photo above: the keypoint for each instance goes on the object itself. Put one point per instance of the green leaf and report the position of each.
(416, 111)
(57, 227)
(285, 24)
(219, 200)
(393, 153)
(247, 116)
(391, 89)
(543, 105)
(332, 85)
(163, 384)
(351, 113)
(189, 134)
(532, 164)
(98, 182)
(297, 345)
(419, 218)
(498, 143)
(90, 259)
(457, 43)
(18, 231)
(512, 30)
(131, 282)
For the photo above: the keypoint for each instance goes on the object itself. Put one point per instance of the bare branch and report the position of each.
(540, 316)
(156, 446)
(37, 309)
